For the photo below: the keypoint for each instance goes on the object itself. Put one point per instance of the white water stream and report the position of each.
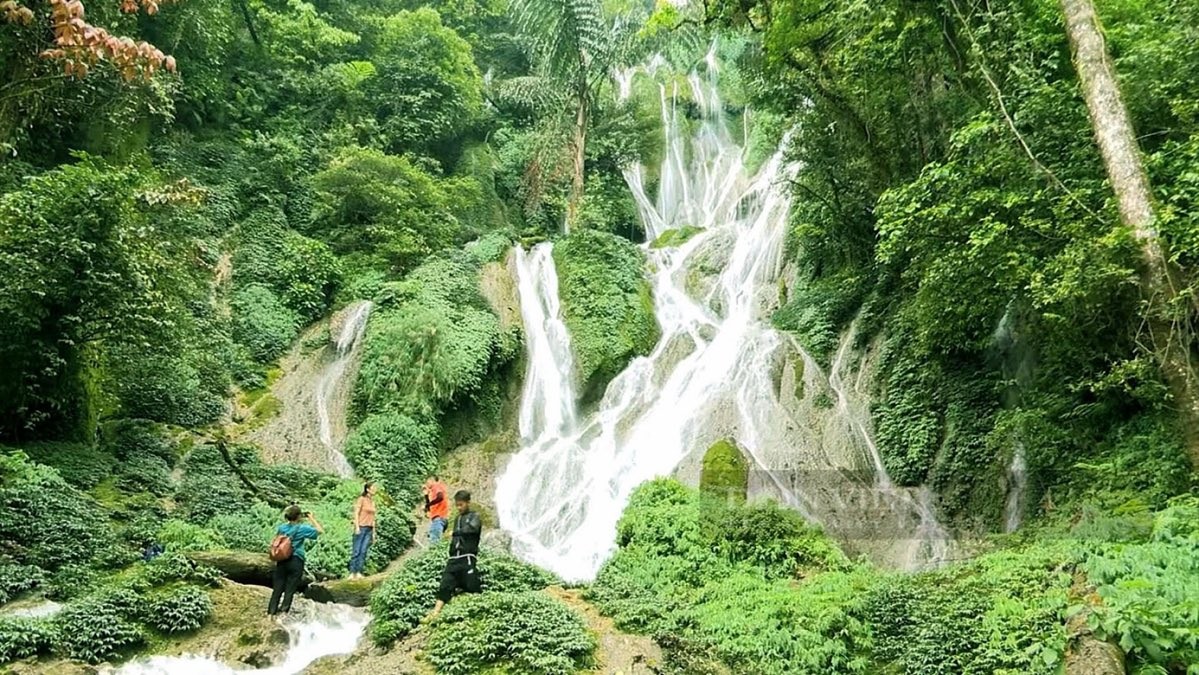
(332, 379)
(712, 374)
(327, 630)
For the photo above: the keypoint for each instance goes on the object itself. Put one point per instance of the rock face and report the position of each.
(243, 567)
(293, 435)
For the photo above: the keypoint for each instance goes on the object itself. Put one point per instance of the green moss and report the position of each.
(607, 305)
(725, 472)
(675, 236)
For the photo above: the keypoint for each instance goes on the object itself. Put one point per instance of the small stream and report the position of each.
(326, 630)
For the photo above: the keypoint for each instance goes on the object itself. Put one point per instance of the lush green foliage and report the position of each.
(263, 323)
(179, 610)
(222, 512)
(395, 450)
(953, 201)
(381, 206)
(1147, 591)
(606, 304)
(117, 614)
(410, 592)
(525, 632)
(44, 522)
(675, 237)
(21, 638)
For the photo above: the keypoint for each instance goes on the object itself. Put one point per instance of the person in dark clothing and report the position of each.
(289, 572)
(461, 570)
(152, 550)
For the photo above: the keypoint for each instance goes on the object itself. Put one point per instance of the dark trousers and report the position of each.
(361, 547)
(287, 578)
(459, 573)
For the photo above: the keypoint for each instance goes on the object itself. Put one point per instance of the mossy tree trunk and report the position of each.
(1126, 171)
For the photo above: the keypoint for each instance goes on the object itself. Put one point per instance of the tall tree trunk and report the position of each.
(1126, 172)
(579, 144)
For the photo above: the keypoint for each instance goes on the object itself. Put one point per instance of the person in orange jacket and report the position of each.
(437, 508)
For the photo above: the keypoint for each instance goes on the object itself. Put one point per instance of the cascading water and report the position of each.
(547, 408)
(1016, 365)
(1017, 474)
(711, 375)
(332, 377)
(328, 630)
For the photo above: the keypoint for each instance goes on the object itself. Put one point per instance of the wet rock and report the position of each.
(497, 539)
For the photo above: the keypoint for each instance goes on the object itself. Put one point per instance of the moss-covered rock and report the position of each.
(676, 236)
(243, 567)
(725, 471)
(607, 305)
(352, 592)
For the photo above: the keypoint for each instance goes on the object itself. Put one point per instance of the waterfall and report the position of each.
(929, 545)
(1013, 508)
(712, 374)
(327, 630)
(331, 379)
(1016, 364)
(547, 407)
(562, 494)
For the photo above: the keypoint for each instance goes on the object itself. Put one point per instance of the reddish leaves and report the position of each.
(80, 45)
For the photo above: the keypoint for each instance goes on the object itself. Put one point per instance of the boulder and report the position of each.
(353, 592)
(244, 567)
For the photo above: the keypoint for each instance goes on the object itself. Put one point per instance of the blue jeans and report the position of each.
(362, 546)
(436, 528)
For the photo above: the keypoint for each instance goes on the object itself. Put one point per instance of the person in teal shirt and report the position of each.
(289, 572)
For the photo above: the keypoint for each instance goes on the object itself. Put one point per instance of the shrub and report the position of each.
(525, 632)
(1001, 613)
(165, 386)
(383, 207)
(126, 439)
(408, 594)
(16, 579)
(21, 638)
(250, 529)
(301, 271)
(772, 628)
(171, 567)
(1148, 591)
(262, 323)
(180, 610)
(774, 539)
(396, 450)
(606, 303)
(180, 535)
(97, 629)
(83, 466)
(145, 473)
(44, 521)
(209, 487)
